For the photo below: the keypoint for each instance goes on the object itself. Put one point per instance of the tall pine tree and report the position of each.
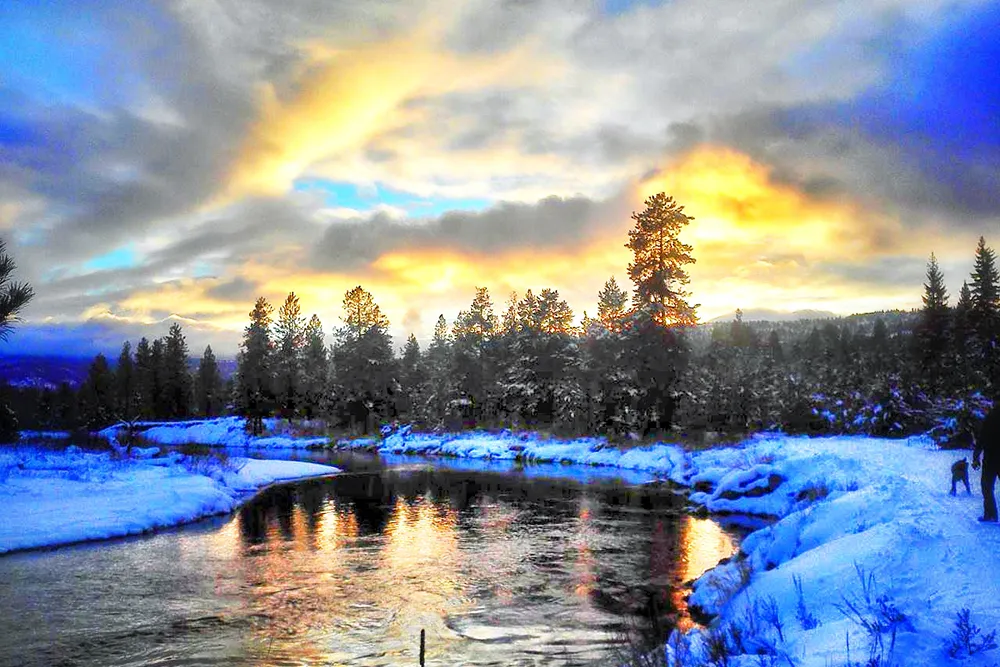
(934, 330)
(254, 372)
(210, 399)
(177, 385)
(315, 368)
(659, 258)
(289, 334)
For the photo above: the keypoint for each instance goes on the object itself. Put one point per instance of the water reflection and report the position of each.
(498, 569)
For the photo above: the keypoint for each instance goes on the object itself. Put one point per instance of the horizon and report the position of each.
(173, 163)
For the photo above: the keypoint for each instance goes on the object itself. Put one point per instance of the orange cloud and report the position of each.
(347, 96)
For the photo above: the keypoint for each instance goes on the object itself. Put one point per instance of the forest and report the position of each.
(641, 367)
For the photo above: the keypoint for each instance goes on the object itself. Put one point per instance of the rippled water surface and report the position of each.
(499, 568)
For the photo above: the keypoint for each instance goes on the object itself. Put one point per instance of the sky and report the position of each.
(172, 161)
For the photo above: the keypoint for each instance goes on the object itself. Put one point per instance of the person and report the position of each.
(988, 445)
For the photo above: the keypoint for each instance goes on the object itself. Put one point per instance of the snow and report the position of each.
(667, 461)
(60, 497)
(851, 508)
(221, 432)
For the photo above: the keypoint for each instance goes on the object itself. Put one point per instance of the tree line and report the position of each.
(639, 366)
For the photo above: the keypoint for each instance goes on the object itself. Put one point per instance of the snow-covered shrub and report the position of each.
(967, 638)
(802, 613)
(955, 420)
(877, 614)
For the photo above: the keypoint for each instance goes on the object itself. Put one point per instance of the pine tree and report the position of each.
(209, 389)
(126, 384)
(659, 258)
(289, 332)
(363, 363)
(440, 377)
(316, 370)
(985, 313)
(145, 379)
(933, 332)
(473, 336)
(158, 399)
(985, 292)
(97, 395)
(177, 384)
(254, 374)
(14, 296)
(361, 313)
(413, 376)
(611, 304)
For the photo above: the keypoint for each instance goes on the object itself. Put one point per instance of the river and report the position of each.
(498, 566)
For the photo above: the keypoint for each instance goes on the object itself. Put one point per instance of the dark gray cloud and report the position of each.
(233, 290)
(551, 222)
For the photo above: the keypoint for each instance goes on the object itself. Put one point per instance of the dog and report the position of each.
(960, 473)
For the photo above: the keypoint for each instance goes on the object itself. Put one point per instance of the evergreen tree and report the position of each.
(290, 341)
(97, 395)
(126, 384)
(315, 368)
(440, 380)
(363, 363)
(145, 379)
(158, 399)
(14, 296)
(210, 397)
(361, 313)
(177, 384)
(611, 304)
(659, 258)
(412, 375)
(473, 336)
(985, 313)
(933, 331)
(254, 374)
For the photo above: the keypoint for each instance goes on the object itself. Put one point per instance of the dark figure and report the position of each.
(988, 444)
(960, 473)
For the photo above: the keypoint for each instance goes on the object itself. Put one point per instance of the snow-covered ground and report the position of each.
(865, 523)
(221, 432)
(59, 497)
(866, 526)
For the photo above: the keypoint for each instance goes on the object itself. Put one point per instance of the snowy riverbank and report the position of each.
(866, 527)
(60, 497)
(220, 432)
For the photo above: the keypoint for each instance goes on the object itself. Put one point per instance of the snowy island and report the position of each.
(53, 497)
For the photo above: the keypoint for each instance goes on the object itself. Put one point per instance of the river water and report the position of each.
(498, 567)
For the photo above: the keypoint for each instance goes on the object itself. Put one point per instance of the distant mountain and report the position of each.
(50, 372)
(768, 315)
(42, 372)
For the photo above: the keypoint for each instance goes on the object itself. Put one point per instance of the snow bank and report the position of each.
(665, 461)
(856, 514)
(221, 432)
(51, 498)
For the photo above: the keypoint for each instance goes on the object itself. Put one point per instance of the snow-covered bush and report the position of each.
(955, 420)
(967, 638)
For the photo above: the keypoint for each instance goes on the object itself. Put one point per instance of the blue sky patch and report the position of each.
(348, 195)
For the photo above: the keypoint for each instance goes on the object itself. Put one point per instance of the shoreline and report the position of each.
(62, 498)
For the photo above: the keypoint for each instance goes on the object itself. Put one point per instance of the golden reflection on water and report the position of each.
(325, 583)
(585, 563)
(703, 544)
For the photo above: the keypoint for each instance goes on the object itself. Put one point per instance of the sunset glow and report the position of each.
(423, 150)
